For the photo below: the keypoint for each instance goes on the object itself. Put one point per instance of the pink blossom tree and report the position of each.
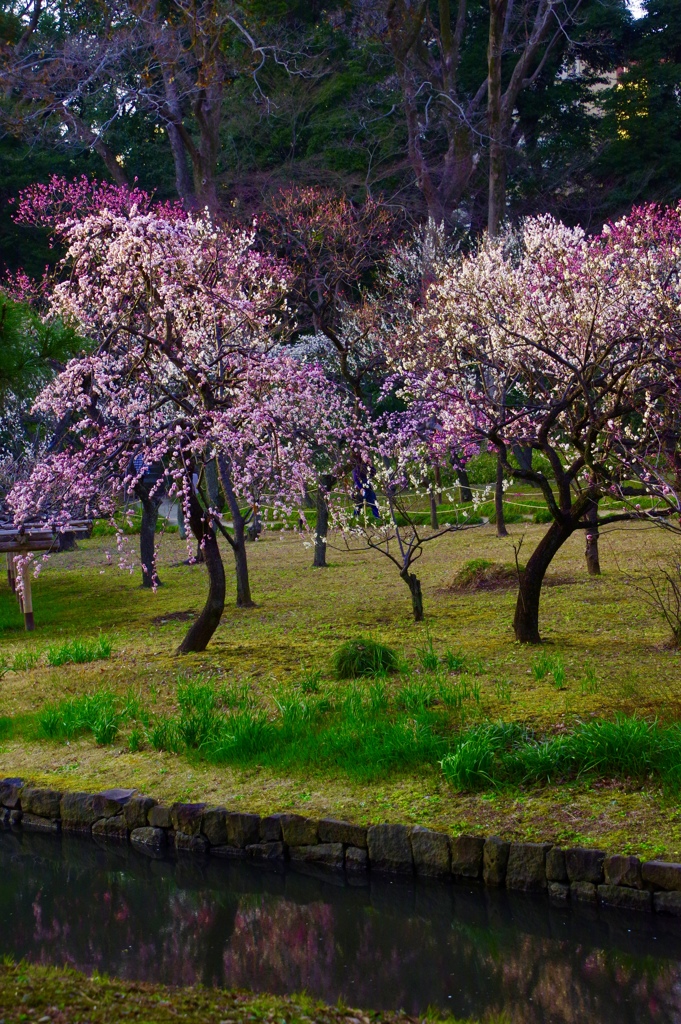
(562, 344)
(186, 371)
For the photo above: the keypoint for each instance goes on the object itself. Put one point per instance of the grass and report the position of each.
(546, 664)
(98, 713)
(77, 652)
(369, 734)
(32, 992)
(363, 732)
(363, 656)
(626, 749)
(612, 650)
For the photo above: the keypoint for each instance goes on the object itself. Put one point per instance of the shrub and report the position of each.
(482, 468)
(163, 735)
(479, 574)
(590, 683)
(236, 696)
(503, 688)
(364, 657)
(310, 681)
(198, 719)
(79, 651)
(135, 740)
(455, 661)
(244, 735)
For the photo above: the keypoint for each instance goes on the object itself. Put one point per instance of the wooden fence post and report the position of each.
(27, 602)
(10, 571)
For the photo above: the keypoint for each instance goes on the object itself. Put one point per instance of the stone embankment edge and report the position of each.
(123, 815)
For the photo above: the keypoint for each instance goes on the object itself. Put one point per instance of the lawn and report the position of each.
(607, 655)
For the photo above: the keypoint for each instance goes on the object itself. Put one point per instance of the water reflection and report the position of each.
(383, 945)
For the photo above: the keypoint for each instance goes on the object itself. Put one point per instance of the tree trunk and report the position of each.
(208, 621)
(434, 524)
(254, 527)
(95, 141)
(592, 561)
(321, 524)
(183, 176)
(465, 492)
(438, 483)
(210, 471)
(180, 520)
(414, 584)
(526, 620)
(243, 586)
(496, 202)
(150, 506)
(523, 454)
(499, 500)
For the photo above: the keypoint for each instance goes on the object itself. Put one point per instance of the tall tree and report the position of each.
(640, 158)
(463, 66)
(75, 70)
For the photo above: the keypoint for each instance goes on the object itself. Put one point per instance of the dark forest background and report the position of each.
(222, 103)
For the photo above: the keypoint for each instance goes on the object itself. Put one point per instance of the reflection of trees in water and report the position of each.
(282, 947)
(136, 922)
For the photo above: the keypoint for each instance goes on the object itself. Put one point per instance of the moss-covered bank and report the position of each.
(29, 992)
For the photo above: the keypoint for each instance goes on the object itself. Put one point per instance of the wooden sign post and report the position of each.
(19, 541)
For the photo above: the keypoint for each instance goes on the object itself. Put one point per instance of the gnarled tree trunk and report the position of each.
(414, 584)
(523, 454)
(526, 620)
(496, 202)
(208, 621)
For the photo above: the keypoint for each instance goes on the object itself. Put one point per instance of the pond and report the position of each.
(383, 944)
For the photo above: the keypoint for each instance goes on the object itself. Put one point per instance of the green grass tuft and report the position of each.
(23, 661)
(79, 651)
(626, 748)
(96, 713)
(364, 657)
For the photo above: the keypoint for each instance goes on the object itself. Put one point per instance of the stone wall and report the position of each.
(123, 815)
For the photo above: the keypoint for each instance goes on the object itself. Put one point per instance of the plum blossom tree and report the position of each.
(563, 344)
(333, 247)
(185, 315)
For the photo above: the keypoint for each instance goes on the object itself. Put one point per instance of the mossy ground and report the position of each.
(30, 992)
(302, 615)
